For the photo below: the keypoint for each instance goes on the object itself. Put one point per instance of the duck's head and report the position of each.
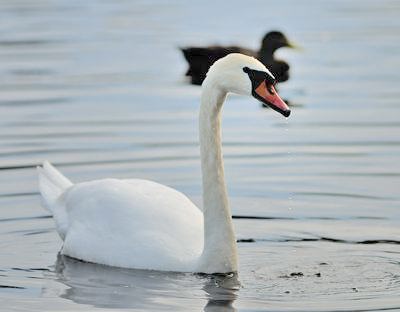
(242, 74)
(274, 40)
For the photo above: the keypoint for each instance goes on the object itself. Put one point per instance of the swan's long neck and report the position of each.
(219, 254)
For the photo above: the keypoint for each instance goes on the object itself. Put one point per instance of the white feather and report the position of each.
(146, 225)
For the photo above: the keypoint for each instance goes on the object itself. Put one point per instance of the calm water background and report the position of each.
(97, 88)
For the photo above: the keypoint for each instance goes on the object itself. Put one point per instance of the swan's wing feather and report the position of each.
(52, 184)
(48, 190)
(132, 223)
(56, 176)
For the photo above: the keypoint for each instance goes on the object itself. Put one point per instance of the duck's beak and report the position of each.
(294, 46)
(268, 95)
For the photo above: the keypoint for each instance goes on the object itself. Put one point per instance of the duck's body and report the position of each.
(200, 59)
(145, 225)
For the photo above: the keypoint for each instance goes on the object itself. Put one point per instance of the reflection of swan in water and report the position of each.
(221, 291)
(109, 287)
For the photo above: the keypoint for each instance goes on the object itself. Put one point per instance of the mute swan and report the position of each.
(201, 58)
(145, 225)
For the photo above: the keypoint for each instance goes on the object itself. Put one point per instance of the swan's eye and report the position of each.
(257, 76)
(269, 79)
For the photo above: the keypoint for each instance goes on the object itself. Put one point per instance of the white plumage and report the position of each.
(125, 223)
(145, 225)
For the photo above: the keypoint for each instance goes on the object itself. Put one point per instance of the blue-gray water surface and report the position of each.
(98, 88)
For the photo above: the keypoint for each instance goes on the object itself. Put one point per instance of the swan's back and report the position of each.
(128, 223)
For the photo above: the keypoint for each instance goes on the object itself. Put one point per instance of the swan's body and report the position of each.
(127, 223)
(146, 225)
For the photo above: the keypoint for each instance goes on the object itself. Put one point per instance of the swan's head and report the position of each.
(242, 74)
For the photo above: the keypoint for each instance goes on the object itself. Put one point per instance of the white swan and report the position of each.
(145, 225)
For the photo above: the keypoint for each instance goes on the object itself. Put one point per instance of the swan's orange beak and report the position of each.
(267, 94)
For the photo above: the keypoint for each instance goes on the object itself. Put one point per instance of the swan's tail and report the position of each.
(51, 184)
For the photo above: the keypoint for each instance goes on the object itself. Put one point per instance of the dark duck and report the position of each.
(201, 58)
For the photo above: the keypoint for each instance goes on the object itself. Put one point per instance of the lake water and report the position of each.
(97, 88)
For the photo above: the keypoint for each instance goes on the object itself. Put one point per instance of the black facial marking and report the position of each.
(246, 69)
(257, 76)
